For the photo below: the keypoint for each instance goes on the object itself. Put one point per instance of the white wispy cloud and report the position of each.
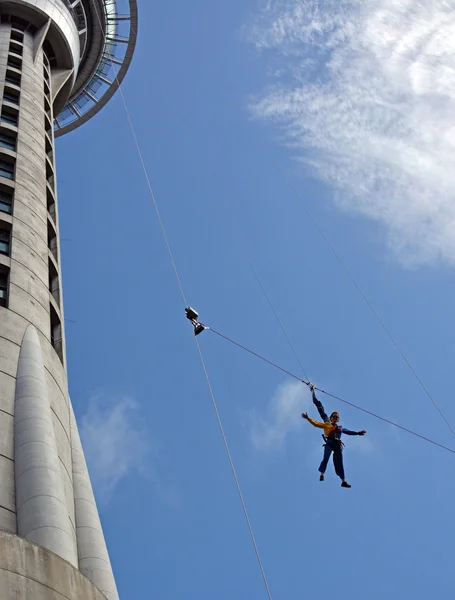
(116, 444)
(364, 90)
(283, 416)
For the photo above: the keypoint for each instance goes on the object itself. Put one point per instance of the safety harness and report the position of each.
(332, 439)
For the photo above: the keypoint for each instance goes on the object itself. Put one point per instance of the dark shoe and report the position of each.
(321, 477)
(345, 484)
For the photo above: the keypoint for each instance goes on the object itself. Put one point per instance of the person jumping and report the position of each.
(332, 437)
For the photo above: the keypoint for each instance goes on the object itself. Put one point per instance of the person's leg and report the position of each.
(338, 464)
(325, 460)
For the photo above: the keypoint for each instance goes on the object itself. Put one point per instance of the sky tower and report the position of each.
(60, 62)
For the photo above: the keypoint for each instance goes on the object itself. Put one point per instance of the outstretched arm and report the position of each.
(349, 432)
(313, 422)
(319, 406)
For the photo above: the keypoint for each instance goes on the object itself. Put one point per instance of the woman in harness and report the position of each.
(332, 438)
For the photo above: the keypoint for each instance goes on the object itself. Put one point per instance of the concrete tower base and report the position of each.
(30, 572)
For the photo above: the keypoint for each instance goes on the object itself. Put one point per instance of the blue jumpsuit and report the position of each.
(333, 441)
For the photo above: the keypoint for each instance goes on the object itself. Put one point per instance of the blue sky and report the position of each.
(358, 120)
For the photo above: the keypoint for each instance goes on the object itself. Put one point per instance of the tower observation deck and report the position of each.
(60, 63)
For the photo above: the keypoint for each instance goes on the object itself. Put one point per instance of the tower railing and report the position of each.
(120, 35)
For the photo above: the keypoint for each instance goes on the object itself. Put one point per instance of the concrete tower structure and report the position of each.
(56, 72)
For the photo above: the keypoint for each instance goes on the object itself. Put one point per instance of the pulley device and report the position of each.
(193, 316)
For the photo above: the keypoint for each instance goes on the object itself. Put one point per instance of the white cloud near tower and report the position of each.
(115, 441)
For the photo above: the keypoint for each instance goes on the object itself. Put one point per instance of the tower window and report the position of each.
(4, 241)
(8, 116)
(49, 152)
(47, 121)
(50, 204)
(16, 48)
(54, 282)
(11, 96)
(19, 24)
(52, 240)
(7, 141)
(50, 54)
(17, 36)
(49, 175)
(6, 169)
(14, 61)
(3, 286)
(6, 202)
(56, 332)
(13, 78)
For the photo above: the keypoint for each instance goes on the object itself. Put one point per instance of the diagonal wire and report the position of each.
(279, 322)
(422, 437)
(231, 462)
(220, 424)
(142, 161)
(231, 341)
(144, 168)
(368, 303)
(255, 354)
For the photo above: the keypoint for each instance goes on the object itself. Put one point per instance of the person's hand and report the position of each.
(363, 432)
(305, 416)
(311, 386)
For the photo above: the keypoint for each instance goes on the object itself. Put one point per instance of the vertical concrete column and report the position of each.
(42, 515)
(31, 261)
(94, 559)
(49, 522)
(9, 349)
(29, 293)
